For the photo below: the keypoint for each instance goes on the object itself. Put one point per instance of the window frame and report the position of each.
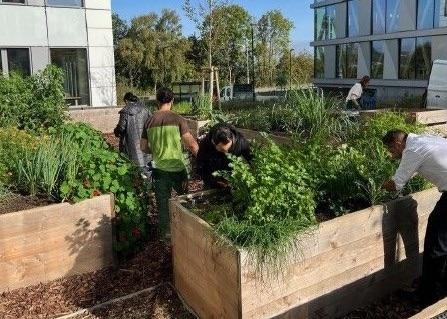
(325, 16)
(416, 59)
(384, 18)
(323, 75)
(346, 47)
(371, 62)
(418, 2)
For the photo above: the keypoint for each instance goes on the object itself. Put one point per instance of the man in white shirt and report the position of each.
(427, 156)
(354, 95)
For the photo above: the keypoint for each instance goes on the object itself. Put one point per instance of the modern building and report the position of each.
(75, 35)
(393, 41)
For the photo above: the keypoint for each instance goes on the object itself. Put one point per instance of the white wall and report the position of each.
(22, 26)
(101, 54)
(66, 27)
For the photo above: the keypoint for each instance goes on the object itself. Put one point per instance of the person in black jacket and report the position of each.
(213, 149)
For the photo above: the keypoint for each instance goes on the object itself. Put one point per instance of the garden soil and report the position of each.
(14, 203)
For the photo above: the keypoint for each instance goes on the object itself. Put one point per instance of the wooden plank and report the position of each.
(205, 275)
(437, 309)
(430, 116)
(55, 241)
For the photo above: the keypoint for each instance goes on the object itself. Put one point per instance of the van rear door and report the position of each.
(437, 86)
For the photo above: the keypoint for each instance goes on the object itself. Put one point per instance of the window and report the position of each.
(18, 61)
(378, 16)
(346, 61)
(325, 23)
(319, 63)
(13, 1)
(426, 12)
(353, 18)
(423, 58)
(440, 19)
(65, 3)
(377, 59)
(415, 58)
(392, 16)
(76, 82)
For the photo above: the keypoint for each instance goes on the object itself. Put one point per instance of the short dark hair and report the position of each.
(365, 80)
(221, 133)
(393, 136)
(165, 95)
(129, 96)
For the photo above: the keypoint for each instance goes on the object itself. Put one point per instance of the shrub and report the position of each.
(33, 102)
(201, 107)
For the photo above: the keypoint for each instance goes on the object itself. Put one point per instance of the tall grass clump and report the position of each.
(271, 206)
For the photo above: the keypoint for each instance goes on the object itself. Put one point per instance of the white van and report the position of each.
(437, 86)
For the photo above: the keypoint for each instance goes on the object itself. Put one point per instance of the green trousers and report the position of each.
(163, 183)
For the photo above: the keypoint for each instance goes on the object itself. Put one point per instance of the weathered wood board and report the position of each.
(47, 243)
(437, 309)
(258, 136)
(345, 263)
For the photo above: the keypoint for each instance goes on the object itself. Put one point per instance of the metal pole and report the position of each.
(253, 75)
(248, 61)
(290, 70)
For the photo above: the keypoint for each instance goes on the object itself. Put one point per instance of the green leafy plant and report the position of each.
(101, 171)
(271, 205)
(201, 106)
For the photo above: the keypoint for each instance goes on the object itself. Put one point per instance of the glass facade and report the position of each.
(76, 82)
(426, 13)
(378, 16)
(377, 59)
(353, 18)
(346, 61)
(325, 23)
(415, 58)
(423, 58)
(392, 16)
(319, 63)
(19, 61)
(440, 19)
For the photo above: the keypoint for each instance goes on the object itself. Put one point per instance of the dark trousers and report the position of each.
(163, 183)
(435, 253)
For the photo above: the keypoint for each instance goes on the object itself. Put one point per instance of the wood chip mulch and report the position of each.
(162, 303)
(149, 268)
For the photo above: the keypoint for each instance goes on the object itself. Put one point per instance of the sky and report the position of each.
(297, 11)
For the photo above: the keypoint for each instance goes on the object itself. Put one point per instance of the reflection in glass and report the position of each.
(426, 9)
(319, 63)
(378, 15)
(407, 59)
(76, 82)
(353, 18)
(423, 58)
(347, 61)
(377, 59)
(325, 23)
(68, 3)
(392, 16)
(19, 61)
(440, 13)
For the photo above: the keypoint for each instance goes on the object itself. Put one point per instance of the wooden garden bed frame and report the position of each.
(348, 262)
(47, 243)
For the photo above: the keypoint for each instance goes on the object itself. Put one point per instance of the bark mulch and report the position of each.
(15, 202)
(162, 303)
(147, 269)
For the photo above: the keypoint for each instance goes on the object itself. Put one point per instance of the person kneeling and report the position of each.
(212, 157)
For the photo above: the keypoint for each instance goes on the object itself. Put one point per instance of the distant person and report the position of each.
(222, 139)
(356, 92)
(162, 136)
(133, 116)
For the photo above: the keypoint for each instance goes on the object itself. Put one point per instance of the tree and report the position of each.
(302, 69)
(120, 28)
(154, 51)
(273, 34)
(230, 38)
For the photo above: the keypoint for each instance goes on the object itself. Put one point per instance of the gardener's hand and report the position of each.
(389, 186)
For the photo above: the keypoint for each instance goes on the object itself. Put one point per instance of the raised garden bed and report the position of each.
(347, 263)
(438, 311)
(50, 242)
(258, 136)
